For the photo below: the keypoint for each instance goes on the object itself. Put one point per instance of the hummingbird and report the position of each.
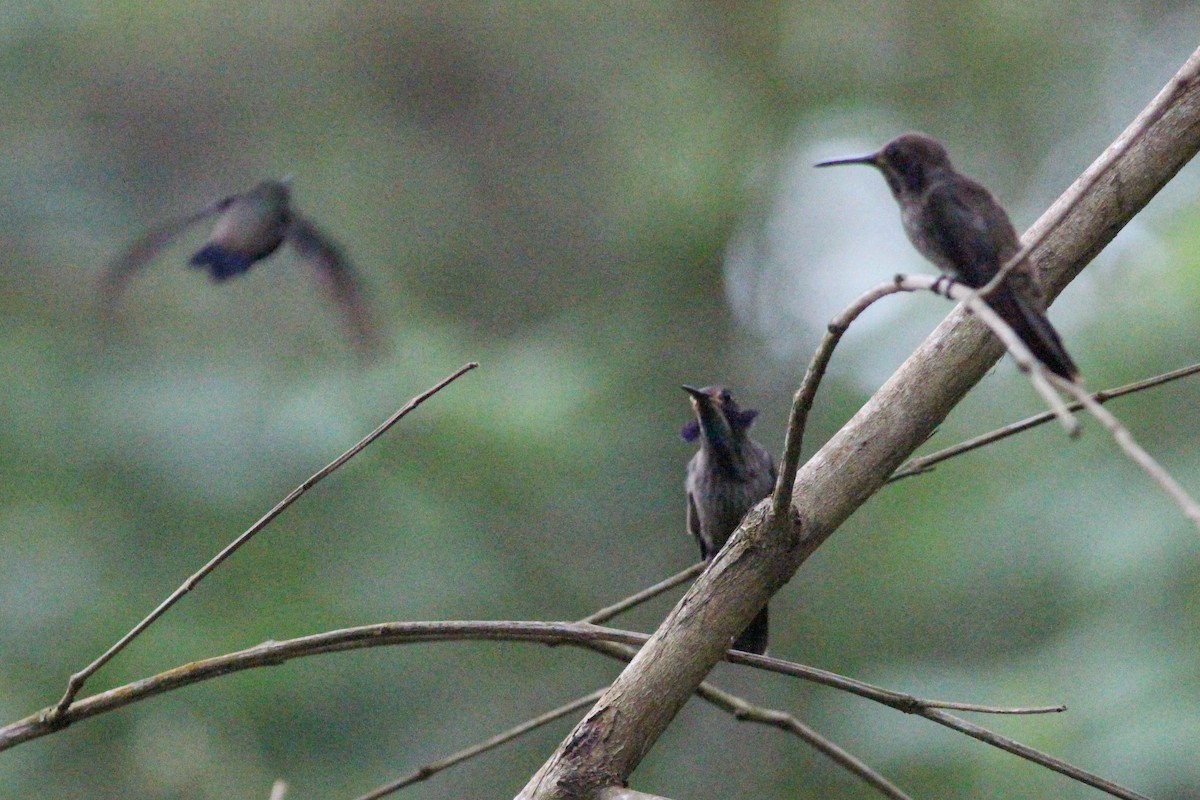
(250, 227)
(728, 475)
(958, 225)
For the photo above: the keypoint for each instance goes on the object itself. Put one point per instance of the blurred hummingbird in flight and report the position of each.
(250, 227)
(958, 225)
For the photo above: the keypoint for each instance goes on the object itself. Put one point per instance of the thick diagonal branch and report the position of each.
(609, 743)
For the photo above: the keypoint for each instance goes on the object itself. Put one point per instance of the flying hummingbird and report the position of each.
(958, 225)
(250, 227)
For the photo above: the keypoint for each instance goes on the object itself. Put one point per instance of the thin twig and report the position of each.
(607, 613)
(932, 710)
(1038, 375)
(747, 712)
(1159, 106)
(917, 466)
(380, 635)
(1030, 754)
(603, 615)
(802, 402)
(793, 442)
(1135, 451)
(902, 701)
(956, 706)
(432, 768)
(730, 703)
(57, 713)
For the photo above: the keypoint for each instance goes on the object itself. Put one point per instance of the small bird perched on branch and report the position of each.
(957, 224)
(250, 227)
(728, 475)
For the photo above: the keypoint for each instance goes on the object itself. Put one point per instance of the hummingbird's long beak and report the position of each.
(869, 158)
(694, 392)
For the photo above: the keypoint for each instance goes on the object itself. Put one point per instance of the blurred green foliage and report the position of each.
(550, 189)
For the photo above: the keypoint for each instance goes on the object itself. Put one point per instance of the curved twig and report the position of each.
(802, 402)
(1163, 103)
(271, 654)
(918, 466)
(77, 680)
(1125, 440)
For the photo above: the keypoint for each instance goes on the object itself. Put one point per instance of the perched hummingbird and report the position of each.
(725, 479)
(957, 224)
(250, 227)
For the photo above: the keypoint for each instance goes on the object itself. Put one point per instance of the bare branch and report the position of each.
(270, 654)
(491, 743)
(748, 712)
(916, 466)
(593, 637)
(1170, 99)
(650, 592)
(907, 703)
(604, 614)
(56, 715)
(1135, 451)
(743, 710)
(607, 641)
(807, 393)
(1031, 754)
(611, 740)
(732, 704)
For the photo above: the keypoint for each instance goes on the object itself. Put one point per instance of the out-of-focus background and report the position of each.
(598, 202)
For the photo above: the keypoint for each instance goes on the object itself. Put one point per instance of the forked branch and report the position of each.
(611, 740)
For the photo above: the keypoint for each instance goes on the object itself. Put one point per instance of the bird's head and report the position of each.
(718, 417)
(908, 162)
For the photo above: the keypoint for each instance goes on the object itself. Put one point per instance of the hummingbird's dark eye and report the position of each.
(908, 170)
(726, 397)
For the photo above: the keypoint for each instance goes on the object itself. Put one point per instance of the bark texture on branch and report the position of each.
(607, 745)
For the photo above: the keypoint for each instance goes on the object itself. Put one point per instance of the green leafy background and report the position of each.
(597, 202)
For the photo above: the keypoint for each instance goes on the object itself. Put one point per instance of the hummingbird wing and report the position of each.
(977, 236)
(338, 280)
(693, 524)
(773, 474)
(969, 230)
(129, 262)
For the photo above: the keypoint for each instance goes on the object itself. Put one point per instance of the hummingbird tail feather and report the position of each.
(1034, 329)
(754, 638)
